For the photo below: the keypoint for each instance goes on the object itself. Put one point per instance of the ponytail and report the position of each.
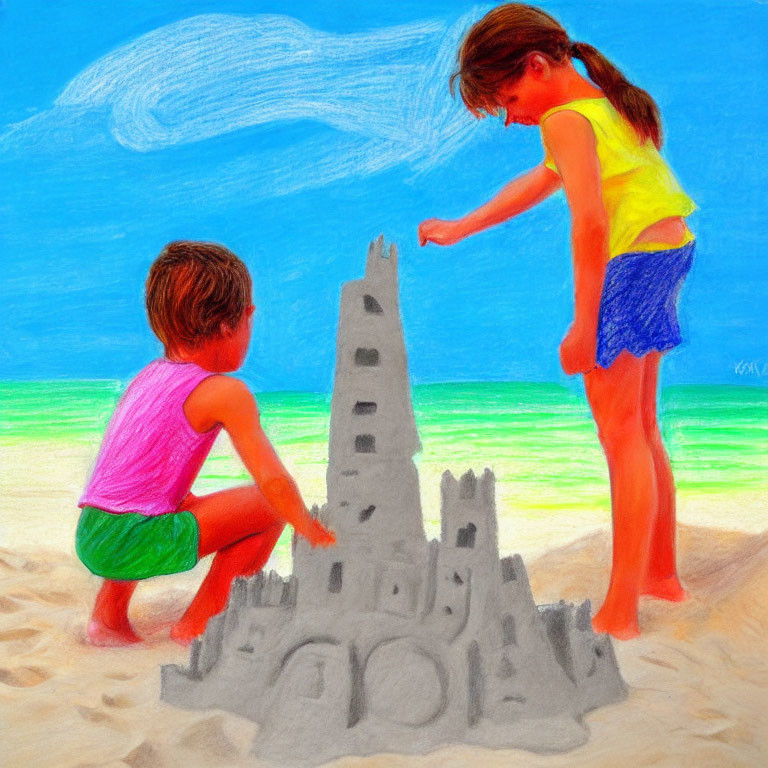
(635, 104)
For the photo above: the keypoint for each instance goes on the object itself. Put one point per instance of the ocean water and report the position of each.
(538, 439)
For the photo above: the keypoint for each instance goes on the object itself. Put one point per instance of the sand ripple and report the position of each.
(23, 677)
(698, 674)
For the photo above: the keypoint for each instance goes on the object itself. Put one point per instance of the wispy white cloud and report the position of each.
(383, 93)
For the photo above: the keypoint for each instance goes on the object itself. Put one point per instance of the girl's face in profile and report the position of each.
(525, 99)
(518, 102)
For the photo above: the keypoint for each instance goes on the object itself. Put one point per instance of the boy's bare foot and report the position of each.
(622, 627)
(665, 589)
(109, 637)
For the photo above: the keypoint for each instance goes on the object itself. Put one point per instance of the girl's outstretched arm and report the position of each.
(519, 195)
(571, 140)
(228, 401)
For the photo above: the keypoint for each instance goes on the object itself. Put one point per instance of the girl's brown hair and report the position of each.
(495, 51)
(193, 288)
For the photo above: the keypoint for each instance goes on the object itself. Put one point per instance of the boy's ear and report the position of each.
(225, 330)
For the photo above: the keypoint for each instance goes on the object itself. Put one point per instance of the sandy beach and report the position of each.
(698, 676)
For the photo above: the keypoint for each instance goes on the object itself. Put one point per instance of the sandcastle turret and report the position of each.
(373, 487)
(374, 502)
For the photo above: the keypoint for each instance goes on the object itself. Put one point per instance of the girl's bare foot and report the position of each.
(620, 624)
(109, 637)
(665, 589)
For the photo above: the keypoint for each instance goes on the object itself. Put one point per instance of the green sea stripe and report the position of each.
(716, 436)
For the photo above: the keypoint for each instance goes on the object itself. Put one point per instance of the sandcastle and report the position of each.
(388, 642)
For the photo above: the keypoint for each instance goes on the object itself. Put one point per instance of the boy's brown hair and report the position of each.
(193, 288)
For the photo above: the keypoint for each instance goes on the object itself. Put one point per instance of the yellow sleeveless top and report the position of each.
(639, 189)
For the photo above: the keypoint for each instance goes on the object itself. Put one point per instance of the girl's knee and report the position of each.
(651, 427)
(652, 433)
(614, 433)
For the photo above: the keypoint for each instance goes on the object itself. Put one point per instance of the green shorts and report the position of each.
(130, 546)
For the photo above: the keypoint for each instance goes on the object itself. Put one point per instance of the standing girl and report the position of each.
(631, 251)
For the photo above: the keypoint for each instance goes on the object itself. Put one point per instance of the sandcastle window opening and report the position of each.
(508, 630)
(466, 536)
(365, 444)
(366, 513)
(335, 578)
(371, 305)
(366, 357)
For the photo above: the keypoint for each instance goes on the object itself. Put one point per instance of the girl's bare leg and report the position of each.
(614, 396)
(109, 625)
(661, 578)
(241, 527)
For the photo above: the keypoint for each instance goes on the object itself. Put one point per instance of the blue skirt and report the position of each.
(638, 306)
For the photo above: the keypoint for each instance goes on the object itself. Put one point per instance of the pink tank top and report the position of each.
(150, 454)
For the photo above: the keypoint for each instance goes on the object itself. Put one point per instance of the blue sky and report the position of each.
(295, 133)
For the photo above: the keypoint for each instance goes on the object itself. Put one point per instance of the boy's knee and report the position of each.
(278, 527)
(271, 521)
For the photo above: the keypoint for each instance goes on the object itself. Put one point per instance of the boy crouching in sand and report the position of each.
(138, 517)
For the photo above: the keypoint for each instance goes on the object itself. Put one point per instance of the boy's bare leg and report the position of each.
(109, 624)
(614, 397)
(240, 526)
(661, 578)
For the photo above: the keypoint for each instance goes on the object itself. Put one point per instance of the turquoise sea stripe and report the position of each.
(538, 438)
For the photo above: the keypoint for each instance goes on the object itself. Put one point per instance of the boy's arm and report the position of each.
(572, 142)
(228, 401)
(519, 195)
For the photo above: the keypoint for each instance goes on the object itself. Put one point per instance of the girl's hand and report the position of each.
(578, 350)
(440, 232)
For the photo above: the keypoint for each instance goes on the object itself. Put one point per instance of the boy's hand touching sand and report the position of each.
(228, 401)
(318, 535)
